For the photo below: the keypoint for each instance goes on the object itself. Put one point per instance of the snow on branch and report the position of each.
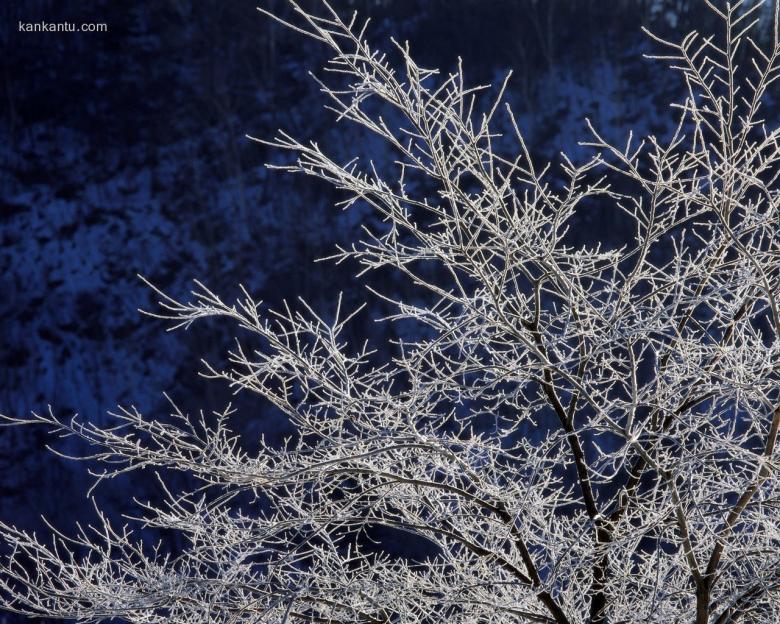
(630, 470)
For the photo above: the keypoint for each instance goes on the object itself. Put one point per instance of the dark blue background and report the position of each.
(124, 152)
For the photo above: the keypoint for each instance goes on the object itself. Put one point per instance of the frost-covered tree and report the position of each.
(579, 433)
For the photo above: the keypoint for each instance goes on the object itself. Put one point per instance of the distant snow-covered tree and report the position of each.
(581, 432)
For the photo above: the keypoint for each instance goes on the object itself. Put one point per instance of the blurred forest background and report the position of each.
(124, 152)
